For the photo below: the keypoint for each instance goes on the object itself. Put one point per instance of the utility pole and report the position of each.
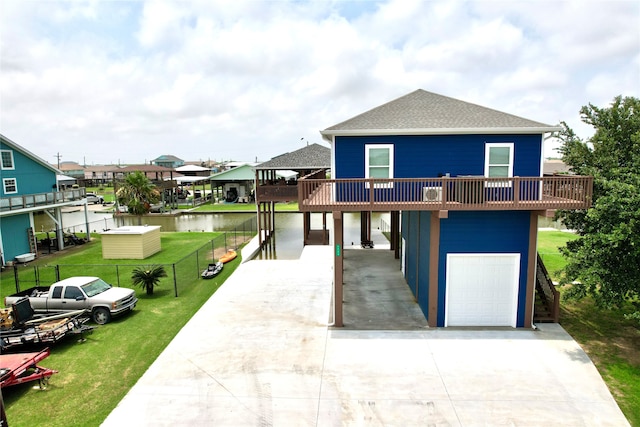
(58, 156)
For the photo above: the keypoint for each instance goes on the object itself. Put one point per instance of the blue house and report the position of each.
(465, 186)
(28, 185)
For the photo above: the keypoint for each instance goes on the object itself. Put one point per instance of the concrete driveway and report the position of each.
(260, 353)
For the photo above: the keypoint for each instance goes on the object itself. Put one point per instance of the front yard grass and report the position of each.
(96, 374)
(611, 341)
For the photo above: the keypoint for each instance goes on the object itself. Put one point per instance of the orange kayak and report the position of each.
(229, 256)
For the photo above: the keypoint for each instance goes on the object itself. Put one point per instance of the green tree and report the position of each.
(137, 194)
(148, 277)
(605, 261)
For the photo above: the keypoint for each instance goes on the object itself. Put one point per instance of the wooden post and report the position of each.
(395, 233)
(532, 261)
(338, 266)
(434, 258)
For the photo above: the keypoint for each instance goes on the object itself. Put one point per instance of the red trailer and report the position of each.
(20, 368)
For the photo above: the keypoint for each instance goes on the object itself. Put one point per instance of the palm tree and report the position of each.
(137, 194)
(148, 277)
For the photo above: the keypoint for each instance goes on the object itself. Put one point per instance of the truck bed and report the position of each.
(36, 291)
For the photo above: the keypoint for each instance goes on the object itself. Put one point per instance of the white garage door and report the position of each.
(482, 289)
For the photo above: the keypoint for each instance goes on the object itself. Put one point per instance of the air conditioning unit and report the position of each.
(432, 194)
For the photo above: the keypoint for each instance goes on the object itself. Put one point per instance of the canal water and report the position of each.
(287, 242)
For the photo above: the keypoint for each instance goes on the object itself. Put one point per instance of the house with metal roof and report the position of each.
(464, 185)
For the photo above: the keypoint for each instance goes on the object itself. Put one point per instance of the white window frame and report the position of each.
(487, 166)
(9, 182)
(367, 150)
(13, 164)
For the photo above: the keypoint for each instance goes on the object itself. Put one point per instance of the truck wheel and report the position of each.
(101, 316)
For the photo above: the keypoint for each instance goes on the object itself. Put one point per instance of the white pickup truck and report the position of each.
(93, 294)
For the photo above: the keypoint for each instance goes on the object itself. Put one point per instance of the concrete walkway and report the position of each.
(260, 353)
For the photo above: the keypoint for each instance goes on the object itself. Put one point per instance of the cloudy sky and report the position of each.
(102, 82)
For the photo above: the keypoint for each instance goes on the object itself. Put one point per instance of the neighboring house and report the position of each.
(72, 169)
(465, 186)
(168, 161)
(65, 181)
(236, 185)
(99, 174)
(193, 170)
(155, 173)
(277, 181)
(28, 185)
(556, 167)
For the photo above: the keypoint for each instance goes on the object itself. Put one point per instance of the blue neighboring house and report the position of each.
(465, 186)
(168, 161)
(28, 185)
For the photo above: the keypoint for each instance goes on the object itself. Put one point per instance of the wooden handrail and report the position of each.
(459, 193)
(552, 294)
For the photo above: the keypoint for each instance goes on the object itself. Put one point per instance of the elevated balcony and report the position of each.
(39, 201)
(460, 193)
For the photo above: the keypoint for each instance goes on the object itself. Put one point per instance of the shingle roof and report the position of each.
(314, 156)
(167, 158)
(426, 112)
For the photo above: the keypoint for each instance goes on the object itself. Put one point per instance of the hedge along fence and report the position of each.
(187, 268)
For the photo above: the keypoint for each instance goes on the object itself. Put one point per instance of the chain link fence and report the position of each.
(179, 273)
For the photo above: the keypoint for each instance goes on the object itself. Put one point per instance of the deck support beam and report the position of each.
(395, 234)
(434, 259)
(532, 262)
(338, 267)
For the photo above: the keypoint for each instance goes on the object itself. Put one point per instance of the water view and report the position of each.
(287, 242)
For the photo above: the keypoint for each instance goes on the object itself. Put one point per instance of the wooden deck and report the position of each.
(519, 193)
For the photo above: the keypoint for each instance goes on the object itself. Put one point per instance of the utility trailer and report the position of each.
(20, 326)
(20, 368)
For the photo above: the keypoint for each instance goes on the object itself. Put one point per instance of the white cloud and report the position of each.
(217, 79)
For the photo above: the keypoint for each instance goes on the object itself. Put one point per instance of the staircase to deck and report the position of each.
(547, 303)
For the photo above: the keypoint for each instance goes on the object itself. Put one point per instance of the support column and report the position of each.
(325, 234)
(306, 227)
(532, 261)
(365, 226)
(434, 258)
(395, 233)
(338, 267)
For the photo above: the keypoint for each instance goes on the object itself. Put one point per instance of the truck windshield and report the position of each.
(95, 287)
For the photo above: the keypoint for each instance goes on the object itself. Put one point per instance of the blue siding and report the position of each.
(31, 176)
(14, 235)
(421, 156)
(416, 231)
(484, 232)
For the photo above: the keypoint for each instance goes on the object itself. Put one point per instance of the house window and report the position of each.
(7, 159)
(498, 161)
(10, 185)
(378, 161)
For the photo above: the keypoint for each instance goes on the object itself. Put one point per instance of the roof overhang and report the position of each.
(329, 134)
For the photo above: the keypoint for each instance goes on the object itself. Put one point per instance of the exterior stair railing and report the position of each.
(547, 307)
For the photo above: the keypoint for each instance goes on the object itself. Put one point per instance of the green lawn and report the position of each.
(548, 244)
(611, 341)
(95, 375)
